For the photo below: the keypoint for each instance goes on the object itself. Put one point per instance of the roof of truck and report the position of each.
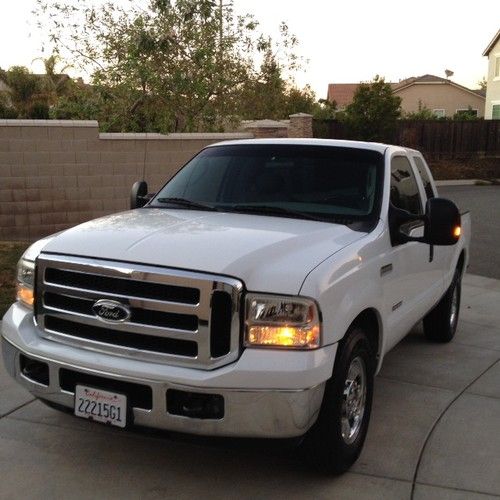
(373, 146)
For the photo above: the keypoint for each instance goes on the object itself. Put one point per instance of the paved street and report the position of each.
(433, 435)
(484, 205)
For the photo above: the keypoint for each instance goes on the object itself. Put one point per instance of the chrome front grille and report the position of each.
(176, 317)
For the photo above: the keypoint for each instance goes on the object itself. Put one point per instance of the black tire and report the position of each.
(327, 448)
(440, 324)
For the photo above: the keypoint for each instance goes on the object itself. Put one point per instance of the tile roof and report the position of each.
(419, 79)
(433, 79)
(341, 93)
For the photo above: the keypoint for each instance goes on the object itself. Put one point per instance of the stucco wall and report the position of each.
(493, 88)
(439, 96)
(55, 174)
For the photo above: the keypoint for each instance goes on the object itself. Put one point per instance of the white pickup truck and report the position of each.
(254, 295)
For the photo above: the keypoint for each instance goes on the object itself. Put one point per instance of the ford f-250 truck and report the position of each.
(254, 295)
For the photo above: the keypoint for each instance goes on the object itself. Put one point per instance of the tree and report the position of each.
(6, 110)
(300, 100)
(179, 65)
(54, 83)
(325, 110)
(80, 102)
(374, 111)
(270, 95)
(483, 83)
(24, 92)
(423, 113)
(468, 114)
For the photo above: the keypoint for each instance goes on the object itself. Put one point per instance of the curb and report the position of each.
(468, 182)
(457, 182)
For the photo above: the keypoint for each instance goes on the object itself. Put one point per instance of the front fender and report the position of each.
(347, 284)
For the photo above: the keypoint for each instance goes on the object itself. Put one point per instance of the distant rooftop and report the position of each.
(493, 42)
(343, 93)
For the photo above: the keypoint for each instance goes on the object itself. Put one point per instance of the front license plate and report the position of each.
(101, 406)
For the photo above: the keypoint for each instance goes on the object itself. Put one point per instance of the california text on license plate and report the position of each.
(101, 406)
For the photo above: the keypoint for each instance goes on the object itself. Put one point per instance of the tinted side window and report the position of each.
(404, 188)
(425, 178)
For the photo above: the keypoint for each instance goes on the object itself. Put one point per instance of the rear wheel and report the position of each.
(441, 323)
(335, 441)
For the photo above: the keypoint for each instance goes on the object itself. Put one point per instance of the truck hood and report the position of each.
(269, 254)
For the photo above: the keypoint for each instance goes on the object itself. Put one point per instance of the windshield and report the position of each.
(322, 182)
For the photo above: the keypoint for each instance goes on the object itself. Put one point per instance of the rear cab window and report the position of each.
(404, 192)
(423, 170)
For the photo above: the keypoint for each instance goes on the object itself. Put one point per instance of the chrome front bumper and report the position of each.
(248, 411)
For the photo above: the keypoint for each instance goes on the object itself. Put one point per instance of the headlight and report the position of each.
(26, 281)
(274, 321)
(26, 271)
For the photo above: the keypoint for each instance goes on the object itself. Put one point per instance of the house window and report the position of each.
(467, 112)
(439, 113)
(495, 112)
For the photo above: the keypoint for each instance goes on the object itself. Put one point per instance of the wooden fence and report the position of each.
(437, 139)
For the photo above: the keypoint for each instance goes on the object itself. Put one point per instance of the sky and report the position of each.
(343, 41)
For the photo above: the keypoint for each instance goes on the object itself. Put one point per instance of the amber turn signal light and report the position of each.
(457, 231)
(285, 336)
(25, 295)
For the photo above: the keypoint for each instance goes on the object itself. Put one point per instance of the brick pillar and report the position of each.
(301, 125)
(267, 129)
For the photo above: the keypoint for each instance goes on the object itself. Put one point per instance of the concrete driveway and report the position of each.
(434, 434)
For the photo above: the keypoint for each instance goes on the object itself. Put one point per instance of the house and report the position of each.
(442, 96)
(492, 52)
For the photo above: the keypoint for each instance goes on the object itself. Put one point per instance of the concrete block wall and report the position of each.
(56, 174)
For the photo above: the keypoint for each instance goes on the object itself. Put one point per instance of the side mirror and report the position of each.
(139, 194)
(443, 222)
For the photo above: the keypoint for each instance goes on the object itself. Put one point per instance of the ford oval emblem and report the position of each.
(111, 311)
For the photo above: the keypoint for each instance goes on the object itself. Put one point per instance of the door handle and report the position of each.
(385, 269)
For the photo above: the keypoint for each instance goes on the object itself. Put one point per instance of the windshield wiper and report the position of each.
(270, 210)
(183, 202)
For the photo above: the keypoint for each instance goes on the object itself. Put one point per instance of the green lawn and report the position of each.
(9, 255)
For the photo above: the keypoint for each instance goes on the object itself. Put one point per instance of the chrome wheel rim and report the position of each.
(353, 401)
(454, 307)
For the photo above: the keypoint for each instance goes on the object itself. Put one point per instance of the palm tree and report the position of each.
(55, 83)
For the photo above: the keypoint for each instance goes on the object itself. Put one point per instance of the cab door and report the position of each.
(441, 255)
(411, 281)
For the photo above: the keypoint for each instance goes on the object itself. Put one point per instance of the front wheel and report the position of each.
(335, 441)
(441, 323)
